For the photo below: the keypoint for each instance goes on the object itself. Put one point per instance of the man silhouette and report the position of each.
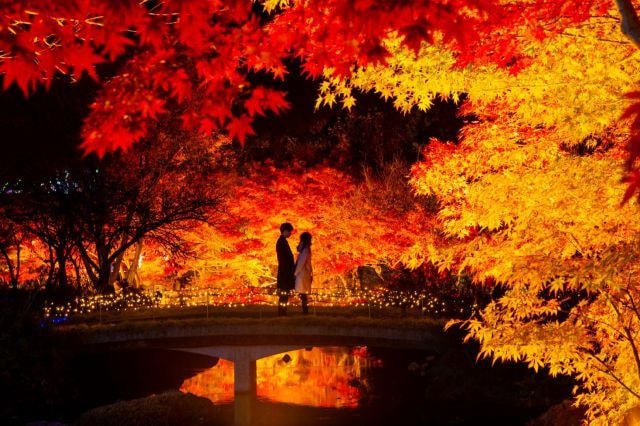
(286, 267)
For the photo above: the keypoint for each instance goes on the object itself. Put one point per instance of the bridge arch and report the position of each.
(245, 343)
(244, 361)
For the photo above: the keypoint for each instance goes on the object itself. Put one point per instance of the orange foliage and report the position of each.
(320, 377)
(348, 228)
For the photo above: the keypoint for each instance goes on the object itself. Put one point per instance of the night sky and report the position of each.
(41, 134)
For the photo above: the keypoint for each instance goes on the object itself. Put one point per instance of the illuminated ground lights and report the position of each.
(428, 304)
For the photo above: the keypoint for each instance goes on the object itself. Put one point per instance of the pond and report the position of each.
(335, 385)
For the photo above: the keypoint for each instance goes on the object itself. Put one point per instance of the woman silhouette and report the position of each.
(304, 271)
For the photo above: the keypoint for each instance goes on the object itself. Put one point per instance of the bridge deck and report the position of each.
(297, 330)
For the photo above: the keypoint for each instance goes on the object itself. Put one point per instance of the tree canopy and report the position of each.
(199, 55)
(534, 196)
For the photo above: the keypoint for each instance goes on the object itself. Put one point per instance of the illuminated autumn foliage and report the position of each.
(198, 55)
(535, 197)
(536, 205)
(348, 228)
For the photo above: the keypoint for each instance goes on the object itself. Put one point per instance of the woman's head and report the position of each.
(305, 239)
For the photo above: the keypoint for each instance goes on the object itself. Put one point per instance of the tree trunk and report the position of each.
(76, 270)
(115, 272)
(16, 279)
(103, 278)
(132, 273)
(630, 23)
(52, 268)
(61, 259)
(89, 266)
(7, 260)
(14, 267)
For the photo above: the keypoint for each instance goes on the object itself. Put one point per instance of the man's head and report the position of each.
(286, 229)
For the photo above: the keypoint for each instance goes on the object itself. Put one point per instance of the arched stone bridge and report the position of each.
(246, 341)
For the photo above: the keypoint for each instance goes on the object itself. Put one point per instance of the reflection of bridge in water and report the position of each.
(244, 360)
(246, 343)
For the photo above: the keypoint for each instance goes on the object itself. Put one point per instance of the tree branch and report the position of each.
(630, 22)
(609, 371)
(628, 333)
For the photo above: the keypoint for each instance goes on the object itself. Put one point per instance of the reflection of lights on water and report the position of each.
(319, 377)
(215, 383)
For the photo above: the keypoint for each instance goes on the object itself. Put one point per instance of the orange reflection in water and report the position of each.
(216, 383)
(319, 377)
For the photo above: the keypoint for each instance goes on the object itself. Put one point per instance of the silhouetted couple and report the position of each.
(292, 275)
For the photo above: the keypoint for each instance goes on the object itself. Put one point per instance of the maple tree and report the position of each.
(11, 242)
(529, 199)
(349, 229)
(43, 208)
(563, 254)
(150, 192)
(198, 56)
(92, 219)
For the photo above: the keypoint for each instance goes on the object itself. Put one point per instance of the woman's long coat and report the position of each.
(304, 271)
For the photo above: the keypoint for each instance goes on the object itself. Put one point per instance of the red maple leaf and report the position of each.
(278, 72)
(21, 71)
(194, 25)
(220, 111)
(47, 62)
(82, 58)
(207, 126)
(275, 101)
(180, 85)
(115, 44)
(151, 107)
(253, 105)
(112, 137)
(240, 127)
(264, 99)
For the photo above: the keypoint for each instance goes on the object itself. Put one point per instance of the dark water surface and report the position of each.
(330, 386)
(323, 386)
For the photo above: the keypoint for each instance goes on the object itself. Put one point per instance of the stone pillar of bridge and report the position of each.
(243, 409)
(244, 378)
(244, 370)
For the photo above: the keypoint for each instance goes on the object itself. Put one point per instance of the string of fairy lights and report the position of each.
(426, 303)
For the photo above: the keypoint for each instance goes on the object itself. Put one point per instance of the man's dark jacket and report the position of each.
(286, 265)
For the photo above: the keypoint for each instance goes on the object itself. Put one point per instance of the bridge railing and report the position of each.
(424, 302)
